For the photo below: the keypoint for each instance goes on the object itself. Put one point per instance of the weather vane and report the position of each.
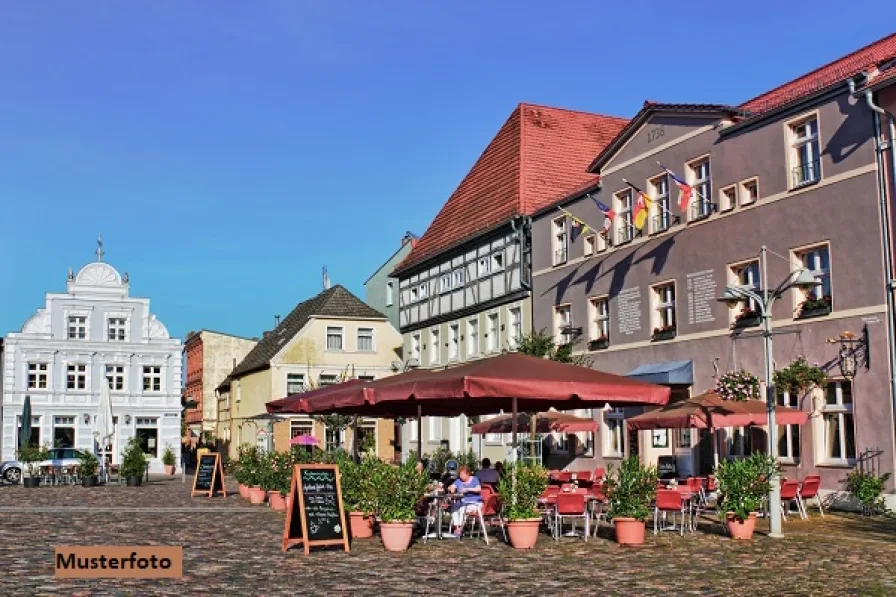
(99, 248)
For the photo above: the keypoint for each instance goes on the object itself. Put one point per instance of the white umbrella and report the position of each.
(103, 425)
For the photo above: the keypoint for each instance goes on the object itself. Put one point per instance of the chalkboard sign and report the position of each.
(666, 467)
(209, 478)
(315, 515)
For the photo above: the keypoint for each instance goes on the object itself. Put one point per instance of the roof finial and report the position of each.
(326, 279)
(99, 248)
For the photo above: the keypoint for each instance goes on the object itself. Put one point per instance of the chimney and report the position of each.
(326, 279)
(276, 320)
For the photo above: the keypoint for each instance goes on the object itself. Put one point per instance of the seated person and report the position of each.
(450, 473)
(469, 486)
(499, 467)
(487, 474)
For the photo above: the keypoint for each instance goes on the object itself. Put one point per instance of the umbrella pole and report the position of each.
(420, 432)
(715, 448)
(513, 425)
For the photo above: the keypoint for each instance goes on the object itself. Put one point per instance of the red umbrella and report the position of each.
(709, 411)
(544, 423)
(292, 403)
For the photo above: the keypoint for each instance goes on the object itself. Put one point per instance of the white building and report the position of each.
(94, 333)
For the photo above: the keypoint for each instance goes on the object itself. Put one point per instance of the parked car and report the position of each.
(11, 471)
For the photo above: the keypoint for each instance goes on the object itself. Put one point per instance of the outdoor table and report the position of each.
(687, 496)
(438, 498)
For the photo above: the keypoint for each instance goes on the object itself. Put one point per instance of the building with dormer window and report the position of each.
(91, 334)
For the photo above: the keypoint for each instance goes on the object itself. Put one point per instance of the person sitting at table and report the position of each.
(468, 486)
(499, 468)
(487, 474)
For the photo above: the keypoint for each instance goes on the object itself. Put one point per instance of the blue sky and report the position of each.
(226, 150)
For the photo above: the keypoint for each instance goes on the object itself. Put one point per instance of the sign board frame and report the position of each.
(217, 483)
(296, 507)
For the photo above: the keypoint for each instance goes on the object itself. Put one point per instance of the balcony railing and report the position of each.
(700, 209)
(625, 234)
(807, 173)
(661, 222)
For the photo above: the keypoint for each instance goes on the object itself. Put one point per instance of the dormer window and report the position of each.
(77, 327)
(117, 329)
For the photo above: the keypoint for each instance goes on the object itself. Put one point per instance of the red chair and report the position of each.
(790, 491)
(571, 505)
(809, 491)
(563, 477)
(597, 505)
(599, 474)
(668, 501)
(546, 505)
(711, 484)
(580, 476)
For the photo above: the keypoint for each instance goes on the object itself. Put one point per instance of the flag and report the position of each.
(608, 213)
(640, 211)
(684, 189)
(579, 227)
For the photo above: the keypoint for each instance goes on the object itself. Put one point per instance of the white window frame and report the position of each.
(415, 346)
(453, 342)
(599, 317)
(660, 212)
(745, 192)
(492, 333)
(803, 169)
(77, 326)
(728, 198)
(560, 240)
(116, 376)
(624, 201)
(74, 372)
(810, 258)
(331, 333)
(514, 326)
(434, 425)
(665, 311)
(36, 422)
(746, 273)
(65, 422)
(390, 293)
(365, 333)
(40, 371)
(613, 417)
(117, 329)
(589, 245)
(152, 373)
(483, 266)
(413, 429)
(435, 350)
(701, 183)
(150, 423)
(562, 319)
(845, 415)
(787, 432)
(295, 383)
(458, 278)
(414, 294)
(445, 283)
(473, 347)
(300, 426)
(424, 291)
(497, 259)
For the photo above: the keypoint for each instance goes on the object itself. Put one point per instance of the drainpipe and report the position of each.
(525, 224)
(885, 217)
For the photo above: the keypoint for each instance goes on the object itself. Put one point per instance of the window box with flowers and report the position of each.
(599, 344)
(666, 332)
(813, 307)
(747, 318)
(738, 386)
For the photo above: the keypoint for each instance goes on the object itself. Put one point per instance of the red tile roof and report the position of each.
(540, 153)
(829, 74)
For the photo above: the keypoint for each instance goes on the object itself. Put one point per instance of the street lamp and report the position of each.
(802, 279)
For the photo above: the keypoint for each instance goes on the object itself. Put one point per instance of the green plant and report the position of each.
(542, 344)
(738, 386)
(744, 482)
(520, 488)
(630, 488)
(467, 459)
(133, 461)
(267, 478)
(281, 470)
(88, 463)
(168, 458)
(359, 493)
(438, 459)
(798, 377)
(30, 455)
(398, 491)
(868, 489)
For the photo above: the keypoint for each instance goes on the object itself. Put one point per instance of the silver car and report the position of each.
(11, 471)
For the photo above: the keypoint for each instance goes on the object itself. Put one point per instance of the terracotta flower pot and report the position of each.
(361, 525)
(396, 536)
(629, 531)
(257, 495)
(169, 469)
(523, 533)
(244, 491)
(277, 501)
(741, 529)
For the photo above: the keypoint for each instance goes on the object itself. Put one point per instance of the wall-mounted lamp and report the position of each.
(854, 352)
(86, 418)
(127, 419)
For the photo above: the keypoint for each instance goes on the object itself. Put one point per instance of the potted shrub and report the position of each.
(238, 470)
(30, 456)
(868, 489)
(88, 466)
(282, 476)
(359, 493)
(743, 483)
(630, 489)
(519, 489)
(398, 491)
(260, 477)
(133, 463)
(168, 460)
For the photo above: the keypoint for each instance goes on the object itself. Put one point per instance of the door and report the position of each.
(705, 460)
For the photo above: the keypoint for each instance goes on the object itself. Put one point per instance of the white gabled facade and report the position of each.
(94, 333)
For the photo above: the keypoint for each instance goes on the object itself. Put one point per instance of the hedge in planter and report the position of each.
(29, 456)
(359, 493)
(398, 491)
(520, 488)
(168, 460)
(630, 489)
(133, 463)
(87, 468)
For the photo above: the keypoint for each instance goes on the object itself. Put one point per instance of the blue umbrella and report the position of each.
(25, 430)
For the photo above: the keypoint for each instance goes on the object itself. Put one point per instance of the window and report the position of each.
(589, 245)
(728, 198)
(472, 337)
(453, 342)
(390, 293)
(333, 438)
(34, 440)
(37, 376)
(334, 338)
(818, 261)
(562, 323)
(749, 191)
(839, 441)
(497, 261)
(516, 327)
(483, 266)
(701, 205)
(739, 442)
(435, 429)
(444, 282)
(299, 427)
(804, 154)
(660, 206)
(365, 339)
(295, 383)
(148, 435)
(424, 291)
(788, 435)
(117, 329)
(435, 351)
(77, 327)
(664, 301)
(747, 274)
(491, 332)
(614, 432)
(327, 379)
(625, 229)
(413, 294)
(458, 276)
(412, 423)
(152, 379)
(77, 377)
(415, 346)
(63, 432)
(560, 240)
(366, 439)
(600, 319)
(115, 377)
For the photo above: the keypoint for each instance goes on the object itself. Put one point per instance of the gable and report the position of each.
(658, 131)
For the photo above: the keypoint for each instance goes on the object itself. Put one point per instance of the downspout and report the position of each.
(520, 231)
(885, 228)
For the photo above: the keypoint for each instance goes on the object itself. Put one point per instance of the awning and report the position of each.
(667, 373)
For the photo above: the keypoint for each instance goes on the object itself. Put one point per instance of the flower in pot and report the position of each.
(398, 491)
(359, 493)
(519, 488)
(168, 459)
(281, 476)
(30, 456)
(738, 386)
(743, 483)
(630, 489)
(133, 463)
(88, 466)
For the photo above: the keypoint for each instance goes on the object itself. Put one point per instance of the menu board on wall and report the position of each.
(628, 305)
(701, 296)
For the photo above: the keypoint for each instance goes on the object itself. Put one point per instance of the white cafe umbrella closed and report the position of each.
(103, 425)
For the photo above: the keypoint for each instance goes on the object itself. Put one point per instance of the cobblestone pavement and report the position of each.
(233, 548)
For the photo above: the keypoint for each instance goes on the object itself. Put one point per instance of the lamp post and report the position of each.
(765, 299)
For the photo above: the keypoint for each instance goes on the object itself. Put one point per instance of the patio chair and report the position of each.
(113, 474)
(599, 474)
(571, 505)
(491, 513)
(597, 506)
(790, 491)
(808, 491)
(668, 501)
(471, 517)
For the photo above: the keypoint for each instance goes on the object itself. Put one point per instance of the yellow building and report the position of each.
(327, 339)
